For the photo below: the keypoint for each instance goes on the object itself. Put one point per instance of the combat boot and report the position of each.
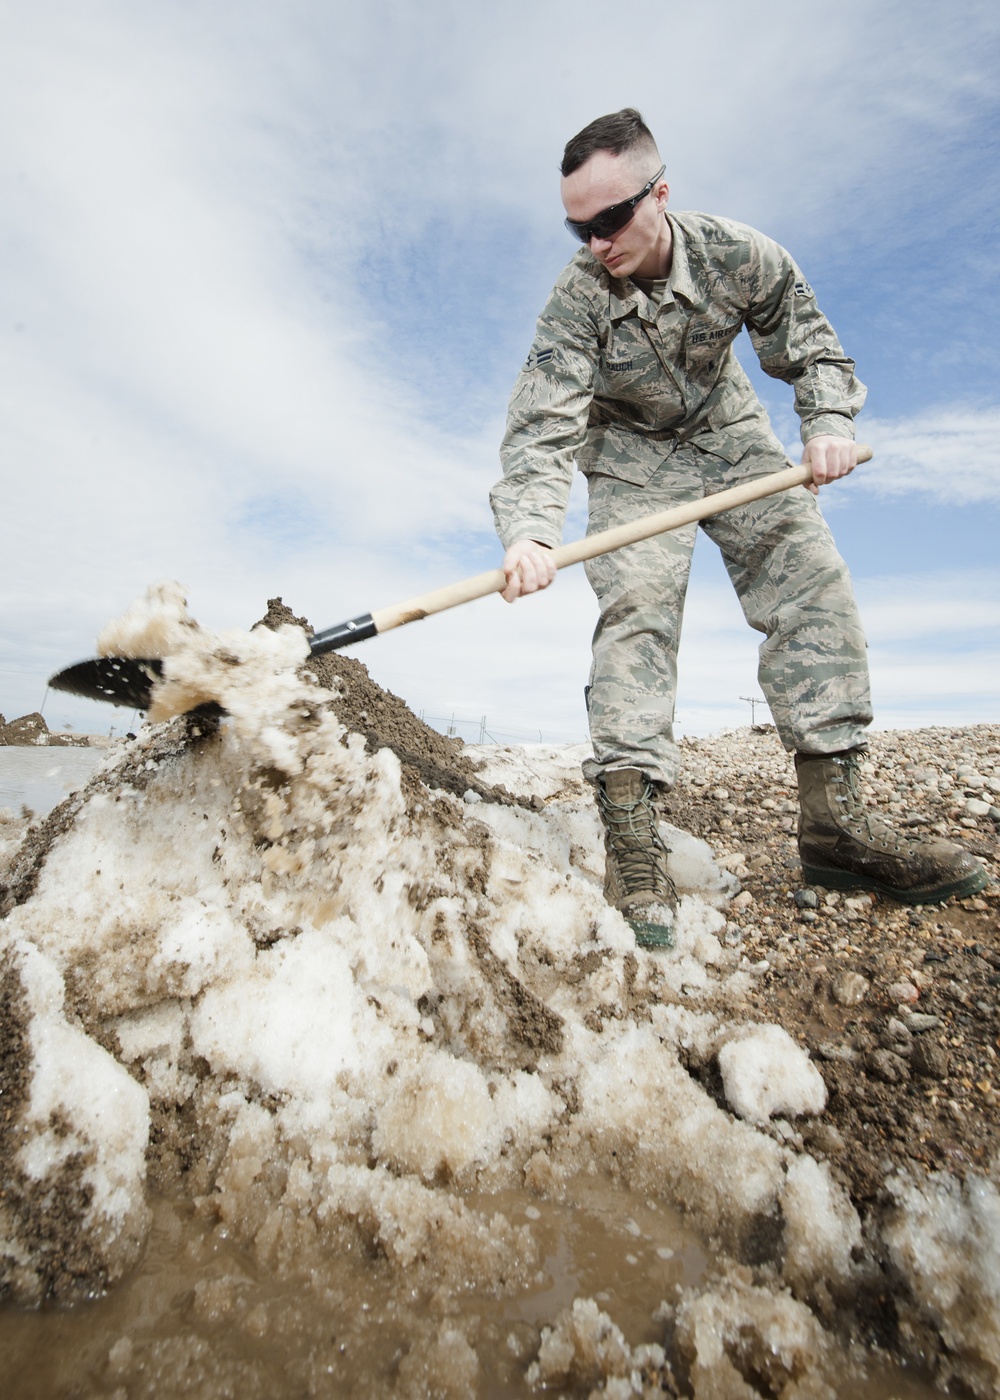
(635, 870)
(845, 846)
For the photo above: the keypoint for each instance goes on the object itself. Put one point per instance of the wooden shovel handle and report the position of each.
(603, 542)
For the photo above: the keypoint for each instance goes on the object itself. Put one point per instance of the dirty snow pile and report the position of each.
(333, 1003)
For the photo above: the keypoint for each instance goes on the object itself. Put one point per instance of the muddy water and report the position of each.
(201, 1318)
(38, 778)
(200, 1310)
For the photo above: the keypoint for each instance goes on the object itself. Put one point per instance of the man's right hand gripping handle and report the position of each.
(529, 566)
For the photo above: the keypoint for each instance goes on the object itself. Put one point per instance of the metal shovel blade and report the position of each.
(116, 679)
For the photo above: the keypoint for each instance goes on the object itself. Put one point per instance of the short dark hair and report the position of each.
(618, 132)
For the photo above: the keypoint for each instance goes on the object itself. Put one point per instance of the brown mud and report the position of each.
(386, 721)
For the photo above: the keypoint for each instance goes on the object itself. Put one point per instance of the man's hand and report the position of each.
(830, 457)
(529, 566)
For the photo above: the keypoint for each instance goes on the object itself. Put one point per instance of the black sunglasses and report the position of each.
(615, 217)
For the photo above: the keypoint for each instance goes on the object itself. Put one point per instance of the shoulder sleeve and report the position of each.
(547, 418)
(795, 342)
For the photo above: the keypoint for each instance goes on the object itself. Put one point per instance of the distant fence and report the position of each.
(482, 731)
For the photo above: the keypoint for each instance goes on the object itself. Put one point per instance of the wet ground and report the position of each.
(201, 1318)
(39, 778)
(200, 1301)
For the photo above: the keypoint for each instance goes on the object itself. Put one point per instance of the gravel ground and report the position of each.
(899, 1006)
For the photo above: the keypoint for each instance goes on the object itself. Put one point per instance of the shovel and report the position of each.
(129, 681)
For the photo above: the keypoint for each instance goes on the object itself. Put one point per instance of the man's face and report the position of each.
(642, 247)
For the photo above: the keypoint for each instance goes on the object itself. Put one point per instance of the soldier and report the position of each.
(632, 375)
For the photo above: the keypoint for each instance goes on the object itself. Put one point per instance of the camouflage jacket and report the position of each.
(615, 382)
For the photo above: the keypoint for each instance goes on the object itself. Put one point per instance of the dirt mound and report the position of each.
(386, 722)
(31, 729)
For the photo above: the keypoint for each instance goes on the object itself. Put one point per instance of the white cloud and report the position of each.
(947, 454)
(944, 604)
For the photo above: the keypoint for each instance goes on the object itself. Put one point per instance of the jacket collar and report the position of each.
(625, 297)
(681, 281)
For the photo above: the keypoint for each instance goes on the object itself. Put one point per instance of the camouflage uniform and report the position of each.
(653, 406)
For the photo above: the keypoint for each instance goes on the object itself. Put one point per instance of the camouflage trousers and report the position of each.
(792, 584)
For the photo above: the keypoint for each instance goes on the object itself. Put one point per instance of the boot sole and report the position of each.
(649, 935)
(832, 879)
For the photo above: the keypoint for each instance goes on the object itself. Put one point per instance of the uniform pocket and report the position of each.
(706, 341)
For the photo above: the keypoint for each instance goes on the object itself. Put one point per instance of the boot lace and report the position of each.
(635, 842)
(860, 821)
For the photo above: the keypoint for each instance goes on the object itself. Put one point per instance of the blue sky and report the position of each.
(270, 272)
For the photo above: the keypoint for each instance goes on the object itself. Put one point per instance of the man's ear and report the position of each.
(661, 194)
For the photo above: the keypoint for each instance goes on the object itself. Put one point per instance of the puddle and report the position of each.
(201, 1302)
(201, 1317)
(39, 778)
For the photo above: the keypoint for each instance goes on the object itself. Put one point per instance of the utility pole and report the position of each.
(753, 702)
